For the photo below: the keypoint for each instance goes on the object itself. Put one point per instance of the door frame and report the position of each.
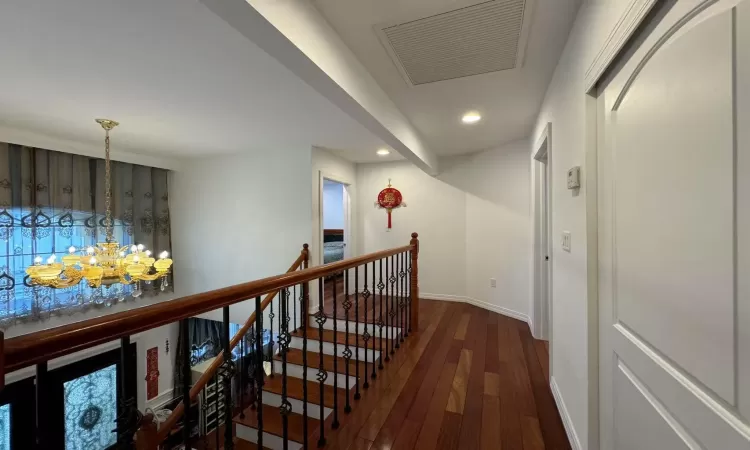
(322, 176)
(541, 323)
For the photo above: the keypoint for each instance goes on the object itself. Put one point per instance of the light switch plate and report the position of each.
(574, 177)
(566, 241)
(493, 282)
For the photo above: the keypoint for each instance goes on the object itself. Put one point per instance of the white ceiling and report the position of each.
(180, 80)
(508, 100)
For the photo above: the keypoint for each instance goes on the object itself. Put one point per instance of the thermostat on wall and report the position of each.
(574, 177)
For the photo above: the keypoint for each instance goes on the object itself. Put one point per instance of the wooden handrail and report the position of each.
(30, 349)
(171, 421)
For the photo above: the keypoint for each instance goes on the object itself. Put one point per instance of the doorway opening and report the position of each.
(335, 232)
(542, 310)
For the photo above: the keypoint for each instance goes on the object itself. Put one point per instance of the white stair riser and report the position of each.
(314, 346)
(313, 409)
(295, 371)
(270, 441)
(354, 327)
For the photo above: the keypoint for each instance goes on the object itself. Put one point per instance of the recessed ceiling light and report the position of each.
(383, 152)
(471, 117)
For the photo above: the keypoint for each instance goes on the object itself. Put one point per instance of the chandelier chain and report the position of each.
(107, 189)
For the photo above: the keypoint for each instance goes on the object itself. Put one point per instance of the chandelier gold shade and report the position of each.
(108, 262)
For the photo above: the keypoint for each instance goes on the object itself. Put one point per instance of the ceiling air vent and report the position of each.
(476, 39)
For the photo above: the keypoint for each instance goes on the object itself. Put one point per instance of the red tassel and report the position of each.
(389, 219)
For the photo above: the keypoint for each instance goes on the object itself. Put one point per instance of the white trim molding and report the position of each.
(481, 304)
(160, 400)
(626, 25)
(575, 443)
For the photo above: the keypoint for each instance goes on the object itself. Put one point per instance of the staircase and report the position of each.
(293, 392)
(327, 403)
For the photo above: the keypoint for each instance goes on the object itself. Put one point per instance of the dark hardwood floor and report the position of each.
(469, 379)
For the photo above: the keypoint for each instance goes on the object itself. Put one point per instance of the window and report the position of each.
(50, 201)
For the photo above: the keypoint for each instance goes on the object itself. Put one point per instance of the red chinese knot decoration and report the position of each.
(389, 199)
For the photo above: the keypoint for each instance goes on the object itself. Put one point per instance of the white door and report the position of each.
(674, 229)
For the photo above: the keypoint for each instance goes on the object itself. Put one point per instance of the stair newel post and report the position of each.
(366, 334)
(186, 380)
(394, 308)
(227, 373)
(387, 317)
(284, 337)
(259, 366)
(347, 350)
(401, 299)
(357, 395)
(414, 283)
(374, 311)
(320, 318)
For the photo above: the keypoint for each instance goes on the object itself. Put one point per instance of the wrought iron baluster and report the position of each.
(402, 301)
(259, 367)
(387, 316)
(242, 376)
(304, 313)
(227, 372)
(320, 318)
(284, 337)
(250, 369)
(411, 288)
(374, 324)
(335, 423)
(381, 286)
(394, 316)
(186, 381)
(357, 395)
(271, 316)
(366, 334)
(347, 350)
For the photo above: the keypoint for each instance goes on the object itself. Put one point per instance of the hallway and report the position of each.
(466, 372)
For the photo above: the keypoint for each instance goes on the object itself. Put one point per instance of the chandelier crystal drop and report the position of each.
(107, 263)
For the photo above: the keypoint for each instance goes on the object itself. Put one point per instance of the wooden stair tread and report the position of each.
(241, 444)
(272, 422)
(354, 339)
(294, 356)
(294, 390)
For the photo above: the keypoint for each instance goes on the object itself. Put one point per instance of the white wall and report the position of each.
(566, 105)
(239, 218)
(333, 205)
(472, 222)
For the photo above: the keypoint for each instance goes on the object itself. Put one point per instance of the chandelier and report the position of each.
(107, 263)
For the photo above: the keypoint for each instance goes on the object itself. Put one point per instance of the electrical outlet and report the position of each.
(566, 241)
(493, 282)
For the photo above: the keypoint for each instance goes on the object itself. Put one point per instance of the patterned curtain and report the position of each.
(50, 201)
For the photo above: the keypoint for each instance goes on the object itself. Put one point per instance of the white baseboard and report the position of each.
(158, 401)
(482, 304)
(575, 443)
